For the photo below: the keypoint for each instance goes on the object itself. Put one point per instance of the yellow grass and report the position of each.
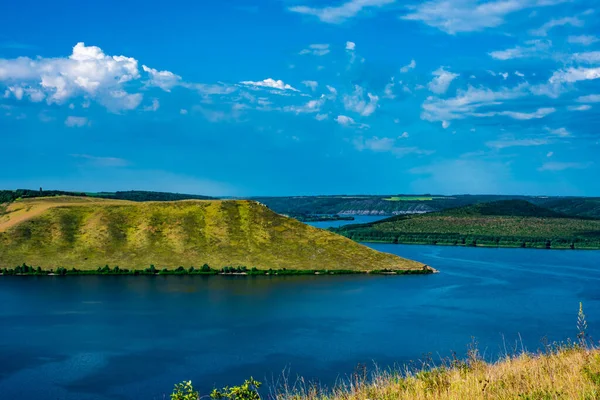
(565, 374)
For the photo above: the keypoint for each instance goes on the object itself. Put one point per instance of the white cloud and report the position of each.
(533, 48)
(519, 74)
(76, 122)
(504, 143)
(573, 74)
(590, 57)
(165, 80)
(386, 145)
(183, 111)
(561, 132)
(313, 106)
(409, 66)
(455, 16)
(350, 46)
(87, 72)
(539, 113)
(316, 50)
(357, 103)
(561, 166)
(350, 122)
(311, 84)
(442, 80)
(404, 135)
(467, 102)
(321, 117)
(445, 124)
(154, 106)
(270, 83)
(102, 161)
(543, 30)
(584, 40)
(339, 14)
(550, 154)
(583, 107)
(590, 98)
(344, 120)
(388, 91)
(504, 75)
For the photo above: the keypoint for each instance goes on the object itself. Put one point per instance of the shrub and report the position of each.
(185, 391)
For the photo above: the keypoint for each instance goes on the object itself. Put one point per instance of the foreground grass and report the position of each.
(564, 374)
(567, 372)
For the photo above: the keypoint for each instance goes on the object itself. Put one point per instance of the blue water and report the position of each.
(358, 219)
(99, 337)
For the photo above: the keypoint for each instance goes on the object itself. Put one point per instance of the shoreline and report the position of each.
(489, 246)
(426, 270)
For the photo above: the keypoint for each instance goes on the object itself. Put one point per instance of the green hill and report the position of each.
(510, 223)
(87, 233)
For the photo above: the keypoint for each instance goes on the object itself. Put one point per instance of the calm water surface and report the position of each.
(134, 337)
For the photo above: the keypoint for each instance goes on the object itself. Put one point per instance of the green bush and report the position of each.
(185, 391)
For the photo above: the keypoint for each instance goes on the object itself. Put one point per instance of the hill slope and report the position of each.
(512, 223)
(87, 233)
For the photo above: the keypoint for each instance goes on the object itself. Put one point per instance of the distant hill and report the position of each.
(142, 195)
(414, 204)
(87, 233)
(510, 223)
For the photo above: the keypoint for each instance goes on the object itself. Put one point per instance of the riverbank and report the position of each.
(25, 270)
(540, 245)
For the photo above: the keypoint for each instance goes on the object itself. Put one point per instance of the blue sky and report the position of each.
(282, 97)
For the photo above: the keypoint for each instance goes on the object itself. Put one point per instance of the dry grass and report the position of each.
(567, 373)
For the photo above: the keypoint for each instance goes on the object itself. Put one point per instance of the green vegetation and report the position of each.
(406, 204)
(415, 198)
(142, 195)
(86, 234)
(8, 196)
(509, 223)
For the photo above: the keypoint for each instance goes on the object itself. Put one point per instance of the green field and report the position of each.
(506, 223)
(87, 233)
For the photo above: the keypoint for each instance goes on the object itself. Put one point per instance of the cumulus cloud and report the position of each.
(154, 106)
(584, 40)
(350, 46)
(76, 122)
(442, 80)
(408, 67)
(316, 50)
(571, 75)
(87, 72)
(165, 80)
(350, 122)
(312, 106)
(456, 16)
(342, 12)
(270, 83)
(356, 102)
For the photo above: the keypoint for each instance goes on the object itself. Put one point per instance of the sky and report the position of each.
(302, 97)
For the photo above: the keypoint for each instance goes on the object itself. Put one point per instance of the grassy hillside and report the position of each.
(87, 233)
(512, 223)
